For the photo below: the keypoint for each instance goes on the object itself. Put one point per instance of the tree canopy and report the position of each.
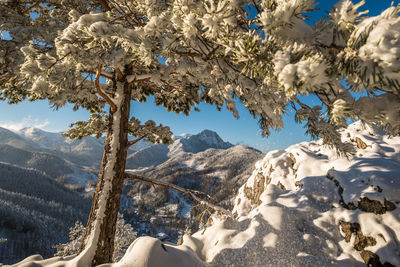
(183, 52)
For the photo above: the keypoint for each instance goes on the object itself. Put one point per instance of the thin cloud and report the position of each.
(25, 122)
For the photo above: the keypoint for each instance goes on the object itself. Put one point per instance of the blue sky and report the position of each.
(237, 131)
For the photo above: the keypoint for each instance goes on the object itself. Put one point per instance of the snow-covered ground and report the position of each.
(303, 206)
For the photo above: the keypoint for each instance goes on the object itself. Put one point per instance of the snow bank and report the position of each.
(303, 206)
(147, 251)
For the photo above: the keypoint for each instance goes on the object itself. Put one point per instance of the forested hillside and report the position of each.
(35, 212)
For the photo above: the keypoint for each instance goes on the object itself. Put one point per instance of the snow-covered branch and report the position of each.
(149, 131)
(187, 192)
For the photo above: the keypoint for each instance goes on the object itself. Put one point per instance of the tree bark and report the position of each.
(98, 244)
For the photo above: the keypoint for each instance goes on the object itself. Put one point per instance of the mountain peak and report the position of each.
(199, 142)
(211, 138)
(207, 132)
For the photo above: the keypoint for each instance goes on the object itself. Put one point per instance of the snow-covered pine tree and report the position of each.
(112, 52)
(212, 52)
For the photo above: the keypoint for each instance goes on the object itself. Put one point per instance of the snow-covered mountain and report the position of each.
(86, 152)
(153, 155)
(198, 142)
(89, 150)
(8, 137)
(48, 163)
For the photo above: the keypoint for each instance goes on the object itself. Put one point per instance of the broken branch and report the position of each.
(187, 192)
(101, 93)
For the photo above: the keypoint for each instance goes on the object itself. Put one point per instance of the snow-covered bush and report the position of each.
(124, 236)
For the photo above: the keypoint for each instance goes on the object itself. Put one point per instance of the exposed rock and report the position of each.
(180, 241)
(372, 260)
(281, 186)
(388, 204)
(364, 204)
(349, 206)
(348, 229)
(258, 188)
(360, 143)
(292, 159)
(368, 205)
(361, 242)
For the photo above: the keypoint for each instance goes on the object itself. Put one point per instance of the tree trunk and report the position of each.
(98, 244)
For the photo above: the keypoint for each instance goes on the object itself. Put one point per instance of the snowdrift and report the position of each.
(303, 206)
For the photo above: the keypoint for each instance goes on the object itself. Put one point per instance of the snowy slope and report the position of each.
(50, 164)
(10, 138)
(86, 152)
(304, 206)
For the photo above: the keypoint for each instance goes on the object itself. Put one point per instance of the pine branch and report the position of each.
(132, 142)
(187, 192)
(101, 93)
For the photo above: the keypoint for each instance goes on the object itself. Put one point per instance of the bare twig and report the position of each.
(187, 192)
(101, 93)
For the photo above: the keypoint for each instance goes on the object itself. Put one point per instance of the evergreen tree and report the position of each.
(186, 51)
